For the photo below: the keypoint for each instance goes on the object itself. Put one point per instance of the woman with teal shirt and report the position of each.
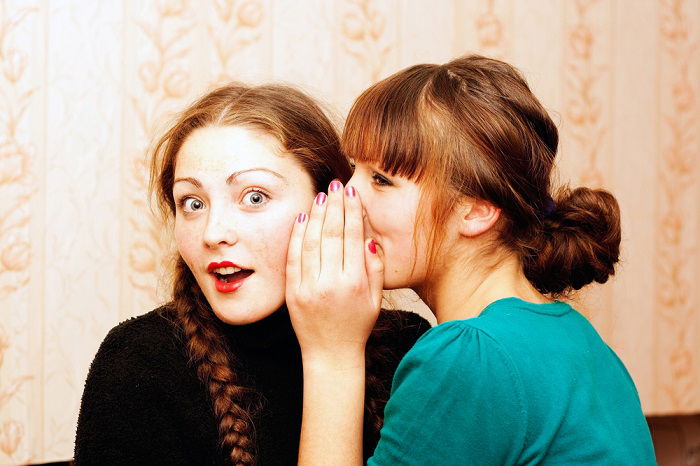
(452, 197)
(514, 388)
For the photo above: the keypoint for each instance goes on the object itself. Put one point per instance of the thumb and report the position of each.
(374, 265)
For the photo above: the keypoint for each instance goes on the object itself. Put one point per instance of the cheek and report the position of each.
(269, 240)
(186, 239)
(393, 222)
(273, 232)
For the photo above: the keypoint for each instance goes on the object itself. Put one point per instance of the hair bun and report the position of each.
(579, 242)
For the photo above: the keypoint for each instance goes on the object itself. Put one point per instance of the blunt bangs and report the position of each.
(384, 126)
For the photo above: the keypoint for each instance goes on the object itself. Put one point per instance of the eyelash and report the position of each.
(181, 202)
(257, 190)
(379, 180)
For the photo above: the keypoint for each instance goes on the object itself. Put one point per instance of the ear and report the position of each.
(477, 216)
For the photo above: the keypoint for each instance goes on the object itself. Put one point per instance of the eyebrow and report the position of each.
(231, 177)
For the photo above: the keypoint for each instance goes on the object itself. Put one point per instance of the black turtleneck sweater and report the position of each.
(143, 402)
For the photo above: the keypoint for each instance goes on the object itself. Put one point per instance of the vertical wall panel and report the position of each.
(21, 172)
(82, 232)
(367, 46)
(86, 87)
(633, 179)
(422, 41)
(303, 45)
(676, 210)
(158, 80)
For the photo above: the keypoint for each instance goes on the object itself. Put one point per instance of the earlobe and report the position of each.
(477, 217)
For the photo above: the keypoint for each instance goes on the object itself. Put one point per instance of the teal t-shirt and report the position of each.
(522, 383)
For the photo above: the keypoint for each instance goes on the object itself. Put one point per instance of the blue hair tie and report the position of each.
(548, 207)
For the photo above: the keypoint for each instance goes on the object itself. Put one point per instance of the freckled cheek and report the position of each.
(187, 240)
(270, 242)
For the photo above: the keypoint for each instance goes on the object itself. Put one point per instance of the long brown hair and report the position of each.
(472, 127)
(303, 131)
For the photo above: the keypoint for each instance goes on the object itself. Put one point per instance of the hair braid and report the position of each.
(211, 357)
(376, 396)
(385, 349)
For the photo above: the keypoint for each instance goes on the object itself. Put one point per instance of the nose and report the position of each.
(219, 230)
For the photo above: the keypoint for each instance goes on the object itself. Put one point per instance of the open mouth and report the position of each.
(228, 277)
(229, 274)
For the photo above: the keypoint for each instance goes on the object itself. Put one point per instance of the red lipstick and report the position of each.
(231, 282)
(216, 265)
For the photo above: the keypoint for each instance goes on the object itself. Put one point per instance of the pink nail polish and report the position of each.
(321, 198)
(335, 185)
(301, 218)
(372, 246)
(350, 191)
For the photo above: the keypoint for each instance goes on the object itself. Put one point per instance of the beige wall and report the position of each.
(84, 87)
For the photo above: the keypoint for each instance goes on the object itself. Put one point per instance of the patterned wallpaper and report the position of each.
(86, 86)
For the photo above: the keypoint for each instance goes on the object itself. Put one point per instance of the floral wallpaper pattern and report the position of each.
(85, 88)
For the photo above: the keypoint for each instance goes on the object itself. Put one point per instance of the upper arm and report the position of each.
(456, 399)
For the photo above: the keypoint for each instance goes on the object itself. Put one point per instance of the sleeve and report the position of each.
(456, 399)
(126, 416)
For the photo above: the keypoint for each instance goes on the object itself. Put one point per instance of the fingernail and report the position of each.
(321, 198)
(335, 185)
(372, 246)
(301, 218)
(350, 191)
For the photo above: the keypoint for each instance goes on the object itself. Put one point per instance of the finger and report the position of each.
(374, 265)
(332, 234)
(293, 270)
(311, 244)
(353, 235)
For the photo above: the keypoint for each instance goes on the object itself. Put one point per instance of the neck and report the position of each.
(466, 286)
(273, 330)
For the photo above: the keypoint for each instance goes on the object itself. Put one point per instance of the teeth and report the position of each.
(226, 270)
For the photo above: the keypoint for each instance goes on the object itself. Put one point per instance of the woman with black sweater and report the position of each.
(215, 375)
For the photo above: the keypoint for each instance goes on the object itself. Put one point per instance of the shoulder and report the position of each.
(144, 344)
(455, 379)
(459, 339)
(141, 402)
(150, 330)
(470, 355)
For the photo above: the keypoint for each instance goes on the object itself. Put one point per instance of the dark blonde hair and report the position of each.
(472, 127)
(305, 133)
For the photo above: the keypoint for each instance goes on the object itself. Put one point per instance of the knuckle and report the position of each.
(303, 298)
(332, 231)
(356, 288)
(353, 229)
(309, 246)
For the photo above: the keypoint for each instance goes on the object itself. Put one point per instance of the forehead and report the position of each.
(225, 149)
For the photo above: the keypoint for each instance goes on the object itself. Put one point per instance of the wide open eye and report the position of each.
(255, 198)
(191, 204)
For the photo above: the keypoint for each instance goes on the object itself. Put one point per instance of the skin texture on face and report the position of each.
(237, 195)
(391, 204)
